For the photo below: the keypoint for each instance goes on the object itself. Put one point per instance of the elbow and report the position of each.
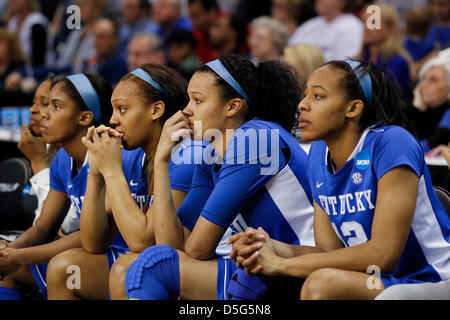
(386, 259)
(389, 265)
(198, 253)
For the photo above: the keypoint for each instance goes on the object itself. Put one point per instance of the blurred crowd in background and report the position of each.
(41, 38)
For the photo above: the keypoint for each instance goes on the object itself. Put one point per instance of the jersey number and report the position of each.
(347, 227)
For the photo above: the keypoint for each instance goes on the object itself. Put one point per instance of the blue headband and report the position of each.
(143, 75)
(364, 80)
(221, 71)
(87, 93)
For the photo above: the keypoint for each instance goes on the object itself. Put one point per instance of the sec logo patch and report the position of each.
(357, 178)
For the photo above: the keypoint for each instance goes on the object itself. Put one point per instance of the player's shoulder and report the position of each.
(259, 124)
(61, 160)
(264, 131)
(392, 135)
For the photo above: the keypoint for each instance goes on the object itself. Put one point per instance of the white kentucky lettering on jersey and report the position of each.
(140, 200)
(358, 201)
(77, 202)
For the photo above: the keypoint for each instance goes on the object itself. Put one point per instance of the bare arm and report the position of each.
(136, 227)
(36, 244)
(245, 244)
(94, 221)
(45, 229)
(325, 237)
(168, 227)
(203, 240)
(43, 253)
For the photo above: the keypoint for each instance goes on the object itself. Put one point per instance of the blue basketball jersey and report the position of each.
(263, 181)
(64, 179)
(349, 198)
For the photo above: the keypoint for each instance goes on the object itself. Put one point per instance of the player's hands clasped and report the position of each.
(8, 261)
(253, 251)
(104, 147)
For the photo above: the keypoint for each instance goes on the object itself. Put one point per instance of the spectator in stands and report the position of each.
(11, 58)
(247, 11)
(402, 6)
(229, 6)
(108, 62)
(4, 12)
(203, 15)
(167, 13)
(79, 45)
(182, 55)
(135, 19)
(113, 8)
(30, 26)
(268, 37)
(145, 48)
(228, 35)
(336, 32)
(292, 13)
(432, 97)
(439, 34)
(384, 47)
(304, 58)
(418, 22)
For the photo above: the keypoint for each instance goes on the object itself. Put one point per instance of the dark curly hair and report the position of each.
(101, 87)
(387, 108)
(272, 88)
(170, 80)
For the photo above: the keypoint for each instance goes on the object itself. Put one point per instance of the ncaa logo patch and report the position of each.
(362, 160)
(357, 178)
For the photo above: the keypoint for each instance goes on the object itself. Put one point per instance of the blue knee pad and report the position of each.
(10, 294)
(155, 275)
(244, 287)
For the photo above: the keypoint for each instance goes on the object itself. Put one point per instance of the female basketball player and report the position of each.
(76, 102)
(40, 154)
(375, 210)
(236, 107)
(142, 101)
